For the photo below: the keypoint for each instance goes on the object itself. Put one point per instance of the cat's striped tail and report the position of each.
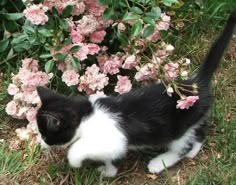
(216, 52)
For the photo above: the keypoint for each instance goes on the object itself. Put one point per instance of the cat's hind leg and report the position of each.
(108, 170)
(185, 146)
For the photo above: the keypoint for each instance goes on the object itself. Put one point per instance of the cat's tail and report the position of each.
(215, 54)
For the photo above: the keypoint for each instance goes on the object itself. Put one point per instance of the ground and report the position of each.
(215, 164)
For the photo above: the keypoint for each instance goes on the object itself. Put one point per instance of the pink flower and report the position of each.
(171, 70)
(30, 64)
(94, 9)
(97, 36)
(11, 108)
(88, 24)
(31, 115)
(121, 27)
(12, 89)
(112, 66)
(155, 36)
(123, 85)
(164, 24)
(93, 48)
(82, 53)
(23, 133)
(170, 91)
(79, 8)
(186, 102)
(146, 72)
(92, 80)
(76, 37)
(70, 77)
(36, 14)
(130, 62)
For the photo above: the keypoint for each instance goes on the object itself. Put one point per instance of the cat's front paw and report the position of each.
(75, 164)
(105, 171)
(155, 166)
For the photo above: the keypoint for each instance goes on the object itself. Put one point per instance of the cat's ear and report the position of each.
(44, 93)
(53, 122)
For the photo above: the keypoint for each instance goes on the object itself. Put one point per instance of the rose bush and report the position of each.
(107, 47)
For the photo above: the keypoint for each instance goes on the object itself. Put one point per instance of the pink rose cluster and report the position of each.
(36, 14)
(26, 101)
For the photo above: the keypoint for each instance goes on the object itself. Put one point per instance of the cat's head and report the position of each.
(59, 116)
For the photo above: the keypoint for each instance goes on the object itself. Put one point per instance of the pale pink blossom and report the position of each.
(186, 102)
(23, 133)
(170, 91)
(82, 53)
(123, 85)
(112, 65)
(88, 24)
(130, 62)
(36, 14)
(97, 36)
(11, 108)
(171, 70)
(155, 36)
(30, 64)
(184, 74)
(76, 36)
(79, 7)
(70, 77)
(12, 89)
(169, 48)
(94, 9)
(121, 27)
(93, 48)
(146, 72)
(164, 24)
(187, 62)
(92, 80)
(31, 115)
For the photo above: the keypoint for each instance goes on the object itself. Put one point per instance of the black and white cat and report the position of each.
(105, 128)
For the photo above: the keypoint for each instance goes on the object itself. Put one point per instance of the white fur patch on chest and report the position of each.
(100, 137)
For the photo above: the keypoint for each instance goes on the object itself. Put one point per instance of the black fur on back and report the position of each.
(148, 115)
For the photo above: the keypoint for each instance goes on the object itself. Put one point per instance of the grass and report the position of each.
(215, 164)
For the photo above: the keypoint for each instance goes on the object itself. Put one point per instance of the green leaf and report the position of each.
(108, 14)
(169, 2)
(149, 20)
(64, 24)
(136, 10)
(122, 38)
(68, 41)
(28, 29)
(19, 38)
(45, 55)
(60, 56)
(11, 52)
(155, 13)
(74, 49)
(75, 62)
(103, 2)
(131, 17)
(136, 28)
(45, 32)
(148, 31)
(3, 44)
(25, 45)
(48, 66)
(67, 11)
(14, 16)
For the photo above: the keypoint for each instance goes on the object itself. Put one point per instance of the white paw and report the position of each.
(105, 171)
(155, 166)
(75, 164)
